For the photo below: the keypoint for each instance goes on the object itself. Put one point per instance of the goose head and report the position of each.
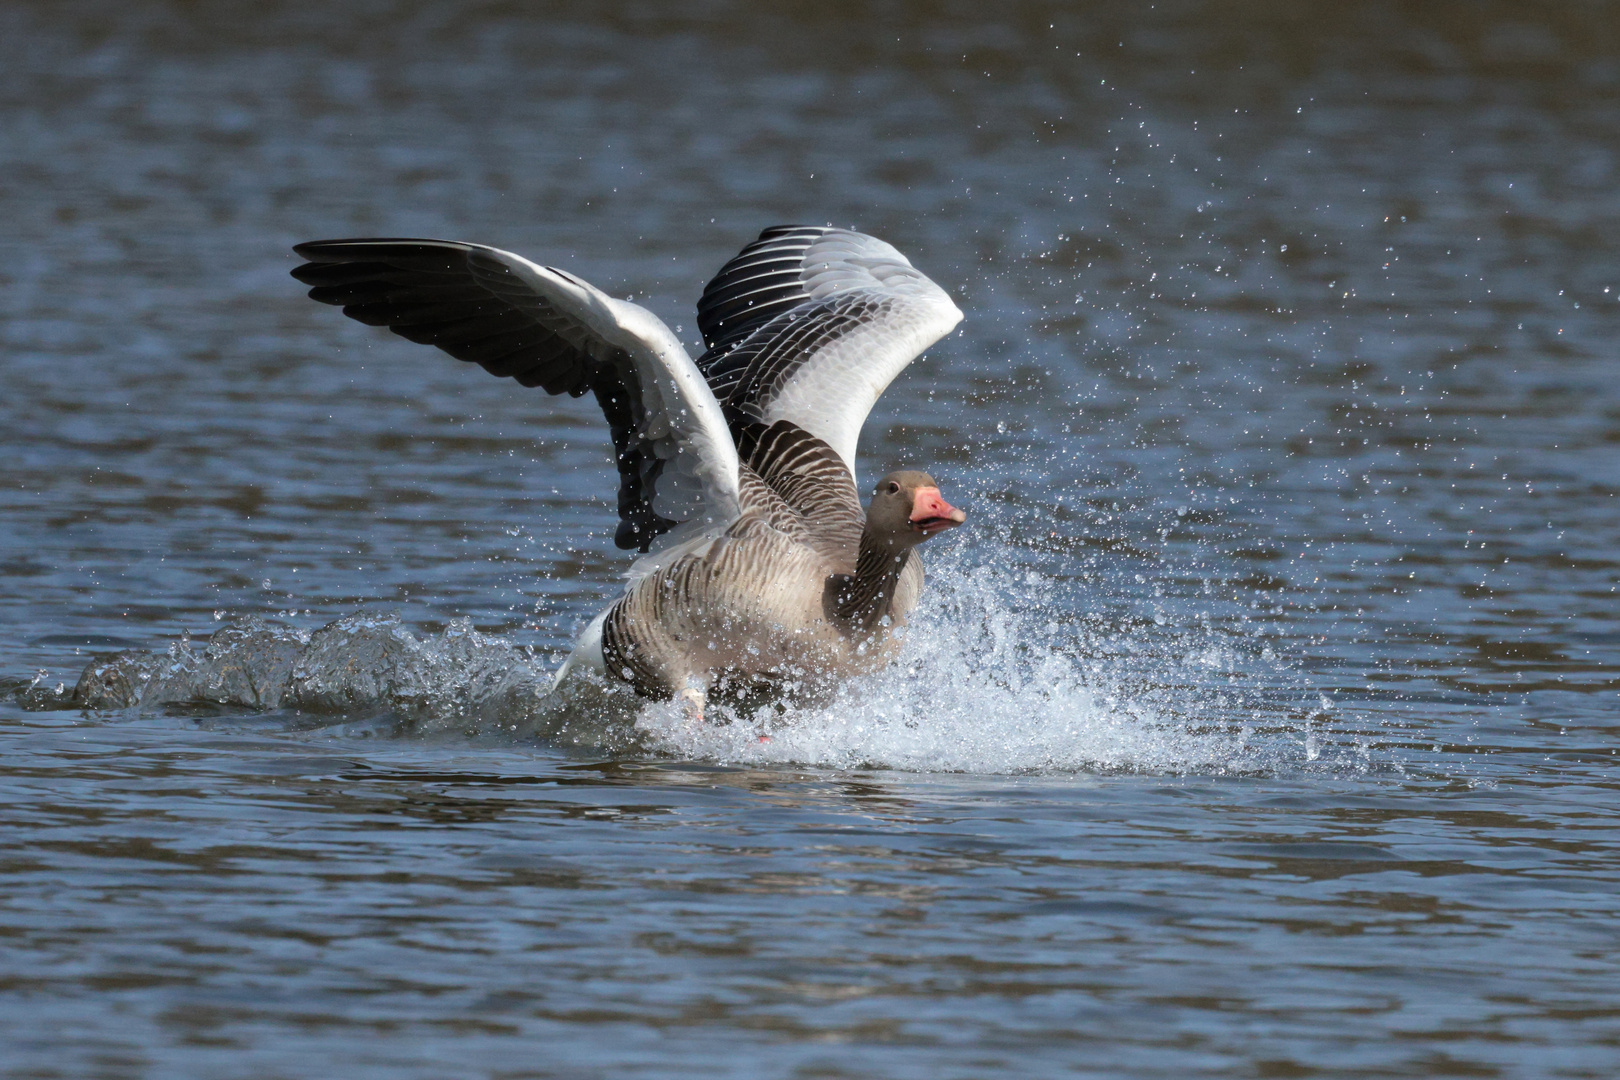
(907, 508)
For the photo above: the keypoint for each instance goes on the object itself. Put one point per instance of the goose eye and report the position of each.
(894, 488)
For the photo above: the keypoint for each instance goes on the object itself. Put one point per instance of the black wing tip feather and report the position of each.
(430, 291)
(335, 250)
(776, 232)
(638, 533)
(742, 295)
(374, 254)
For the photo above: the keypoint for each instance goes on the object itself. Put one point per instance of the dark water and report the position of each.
(1261, 724)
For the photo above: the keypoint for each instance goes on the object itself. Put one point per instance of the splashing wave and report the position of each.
(996, 675)
(990, 679)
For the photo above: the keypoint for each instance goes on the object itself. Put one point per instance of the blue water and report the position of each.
(1259, 723)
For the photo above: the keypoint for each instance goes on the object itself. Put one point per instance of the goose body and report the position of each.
(760, 568)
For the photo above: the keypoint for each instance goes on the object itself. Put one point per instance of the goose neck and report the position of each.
(868, 595)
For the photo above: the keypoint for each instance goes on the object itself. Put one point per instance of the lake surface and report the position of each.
(1260, 723)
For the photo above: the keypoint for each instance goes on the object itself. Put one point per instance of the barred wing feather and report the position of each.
(811, 324)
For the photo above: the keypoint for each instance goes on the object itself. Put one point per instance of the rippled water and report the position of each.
(1260, 724)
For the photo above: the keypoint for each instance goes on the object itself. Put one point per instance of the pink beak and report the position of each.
(930, 513)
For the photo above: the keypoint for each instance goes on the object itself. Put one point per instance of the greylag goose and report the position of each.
(759, 567)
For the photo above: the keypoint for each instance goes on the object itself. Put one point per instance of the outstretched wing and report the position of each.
(549, 329)
(810, 325)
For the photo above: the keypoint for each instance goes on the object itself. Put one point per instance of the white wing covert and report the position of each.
(543, 327)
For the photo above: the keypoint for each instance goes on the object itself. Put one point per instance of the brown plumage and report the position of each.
(772, 574)
(804, 587)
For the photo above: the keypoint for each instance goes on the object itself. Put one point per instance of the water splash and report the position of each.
(990, 679)
(358, 664)
(996, 675)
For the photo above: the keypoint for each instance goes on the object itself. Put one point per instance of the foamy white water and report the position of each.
(992, 680)
(995, 675)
